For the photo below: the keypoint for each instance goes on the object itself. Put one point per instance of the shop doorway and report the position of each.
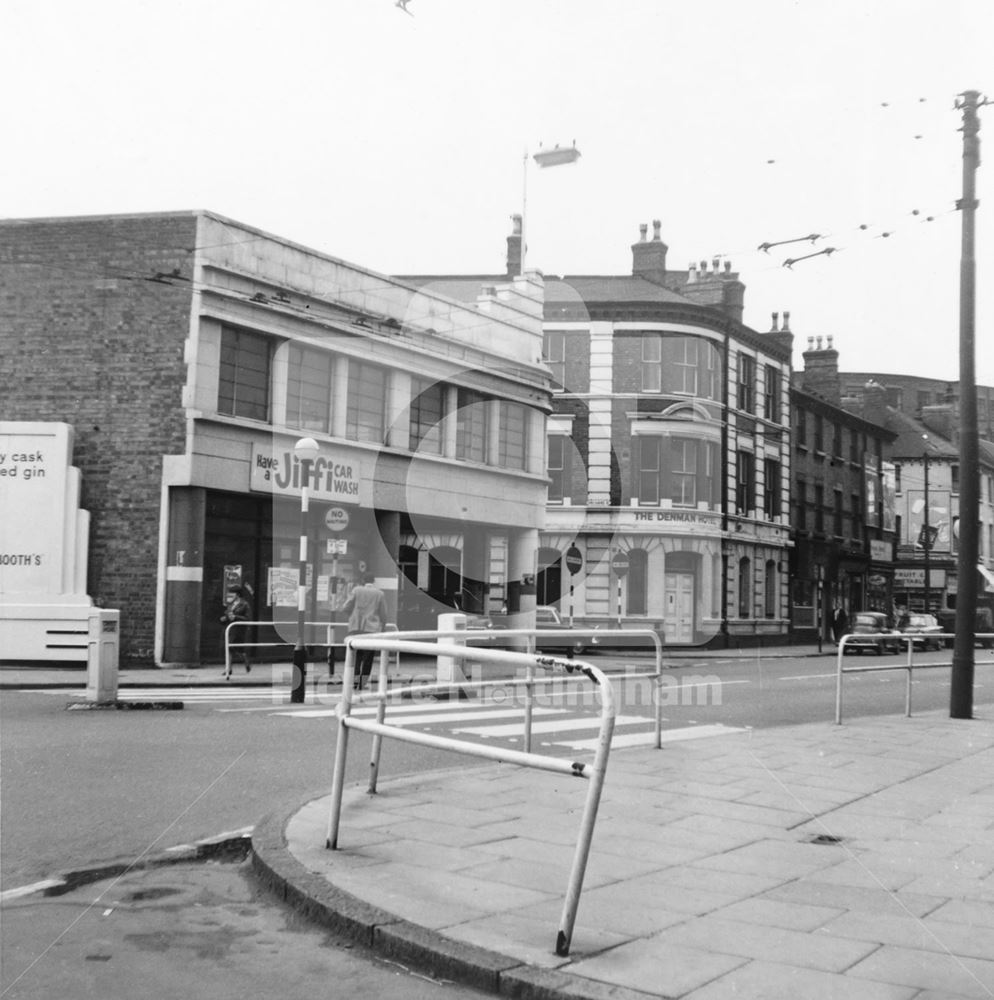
(549, 583)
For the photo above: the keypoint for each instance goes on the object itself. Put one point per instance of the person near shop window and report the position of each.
(367, 611)
(238, 609)
(840, 622)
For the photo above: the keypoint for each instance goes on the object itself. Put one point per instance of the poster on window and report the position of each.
(282, 589)
(939, 520)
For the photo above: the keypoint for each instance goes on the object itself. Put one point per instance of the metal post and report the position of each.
(838, 679)
(381, 712)
(582, 852)
(306, 450)
(927, 543)
(341, 750)
(961, 687)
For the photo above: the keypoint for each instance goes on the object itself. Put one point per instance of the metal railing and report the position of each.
(379, 728)
(570, 637)
(329, 628)
(880, 642)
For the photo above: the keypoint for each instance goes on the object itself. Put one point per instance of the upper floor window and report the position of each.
(557, 468)
(427, 409)
(554, 356)
(837, 441)
(771, 393)
(800, 504)
(513, 435)
(819, 432)
(745, 482)
(681, 470)
(652, 367)
(747, 383)
(954, 478)
(819, 507)
(685, 364)
(771, 487)
(854, 446)
(308, 391)
(801, 427)
(683, 484)
(243, 386)
(650, 468)
(471, 426)
(367, 394)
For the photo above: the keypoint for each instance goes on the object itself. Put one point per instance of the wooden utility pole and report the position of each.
(961, 688)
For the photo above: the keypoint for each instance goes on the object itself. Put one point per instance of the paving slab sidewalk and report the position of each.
(812, 861)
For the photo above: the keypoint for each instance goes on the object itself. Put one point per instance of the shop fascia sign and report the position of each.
(911, 577)
(335, 475)
(675, 517)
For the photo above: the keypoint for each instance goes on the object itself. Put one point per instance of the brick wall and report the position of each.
(89, 340)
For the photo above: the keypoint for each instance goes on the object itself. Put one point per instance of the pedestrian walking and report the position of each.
(237, 609)
(367, 611)
(840, 623)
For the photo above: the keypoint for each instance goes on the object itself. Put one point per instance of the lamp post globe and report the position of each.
(306, 450)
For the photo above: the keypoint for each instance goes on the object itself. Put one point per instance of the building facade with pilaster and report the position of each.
(668, 452)
(189, 353)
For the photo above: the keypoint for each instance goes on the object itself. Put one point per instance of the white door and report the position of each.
(678, 607)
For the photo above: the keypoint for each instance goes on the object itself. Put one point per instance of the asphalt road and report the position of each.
(189, 931)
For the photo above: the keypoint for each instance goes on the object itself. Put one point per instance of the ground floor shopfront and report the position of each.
(469, 546)
(676, 571)
(830, 584)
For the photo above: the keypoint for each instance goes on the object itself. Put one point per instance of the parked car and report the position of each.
(546, 617)
(984, 623)
(872, 630)
(924, 630)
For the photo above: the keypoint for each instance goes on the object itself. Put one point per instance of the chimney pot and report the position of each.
(829, 340)
(818, 342)
(811, 343)
(643, 231)
(714, 264)
(704, 267)
(515, 225)
(786, 320)
(728, 267)
(657, 225)
(775, 326)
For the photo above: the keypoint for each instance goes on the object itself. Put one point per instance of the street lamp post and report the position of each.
(554, 157)
(927, 538)
(306, 450)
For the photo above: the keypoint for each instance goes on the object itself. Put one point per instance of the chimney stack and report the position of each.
(649, 256)
(781, 335)
(514, 248)
(821, 371)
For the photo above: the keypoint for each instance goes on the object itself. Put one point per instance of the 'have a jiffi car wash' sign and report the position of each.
(331, 476)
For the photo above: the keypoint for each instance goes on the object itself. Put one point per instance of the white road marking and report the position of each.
(518, 728)
(668, 736)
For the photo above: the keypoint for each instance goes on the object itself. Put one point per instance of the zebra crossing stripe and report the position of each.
(586, 722)
(668, 736)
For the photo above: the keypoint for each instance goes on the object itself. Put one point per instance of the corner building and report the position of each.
(189, 353)
(668, 452)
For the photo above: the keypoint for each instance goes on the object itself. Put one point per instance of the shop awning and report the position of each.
(988, 576)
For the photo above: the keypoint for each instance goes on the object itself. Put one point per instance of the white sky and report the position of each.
(396, 142)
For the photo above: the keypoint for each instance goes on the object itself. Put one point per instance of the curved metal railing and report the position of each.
(381, 729)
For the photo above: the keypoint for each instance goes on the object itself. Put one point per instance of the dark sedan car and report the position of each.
(924, 630)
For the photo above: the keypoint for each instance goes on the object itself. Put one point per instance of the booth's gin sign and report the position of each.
(330, 476)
